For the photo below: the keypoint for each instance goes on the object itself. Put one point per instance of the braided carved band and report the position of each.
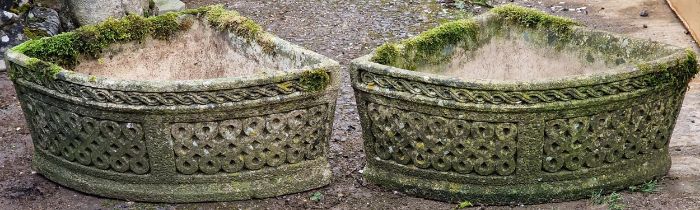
(505, 97)
(161, 98)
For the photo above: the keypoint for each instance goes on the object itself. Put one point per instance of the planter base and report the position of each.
(440, 186)
(269, 183)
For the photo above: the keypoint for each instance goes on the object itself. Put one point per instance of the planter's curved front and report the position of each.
(501, 142)
(181, 141)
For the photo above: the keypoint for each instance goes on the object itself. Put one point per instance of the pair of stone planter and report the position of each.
(441, 130)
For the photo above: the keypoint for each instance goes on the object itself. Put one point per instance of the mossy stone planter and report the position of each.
(218, 139)
(509, 140)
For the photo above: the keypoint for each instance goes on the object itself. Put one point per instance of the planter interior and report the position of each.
(201, 52)
(511, 54)
(199, 105)
(517, 106)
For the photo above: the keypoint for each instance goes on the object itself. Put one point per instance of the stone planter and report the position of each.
(254, 135)
(475, 121)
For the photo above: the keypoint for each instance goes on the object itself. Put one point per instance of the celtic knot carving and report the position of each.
(102, 144)
(593, 141)
(161, 98)
(250, 143)
(442, 144)
(505, 97)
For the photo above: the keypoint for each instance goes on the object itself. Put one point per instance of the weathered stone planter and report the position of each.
(475, 121)
(147, 138)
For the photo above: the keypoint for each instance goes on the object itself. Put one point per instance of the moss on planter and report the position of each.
(533, 18)
(680, 73)
(59, 49)
(165, 26)
(231, 21)
(65, 49)
(691, 63)
(315, 80)
(41, 69)
(428, 46)
(434, 46)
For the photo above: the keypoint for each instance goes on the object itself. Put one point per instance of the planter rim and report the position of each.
(613, 74)
(221, 83)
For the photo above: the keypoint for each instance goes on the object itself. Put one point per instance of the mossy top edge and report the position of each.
(422, 48)
(405, 56)
(89, 41)
(666, 64)
(66, 48)
(327, 71)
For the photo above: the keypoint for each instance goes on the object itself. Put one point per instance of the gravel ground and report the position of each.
(343, 30)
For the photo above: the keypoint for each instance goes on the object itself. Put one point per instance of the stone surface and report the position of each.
(53, 4)
(43, 21)
(7, 18)
(93, 11)
(501, 142)
(11, 32)
(6, 4)
(184, 141)
(163, 6)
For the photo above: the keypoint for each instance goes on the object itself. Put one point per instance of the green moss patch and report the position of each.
(428, 47)
(678, 72)
(65, 49)
(233, 22)
(533, 18)
(42, 69)
(315, 80)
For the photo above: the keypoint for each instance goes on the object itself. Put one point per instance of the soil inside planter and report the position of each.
(512, 59)
(198, 53)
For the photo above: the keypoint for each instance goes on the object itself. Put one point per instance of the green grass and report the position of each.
(316, 197)
(613, 201)
(464, 204)
(647, 187)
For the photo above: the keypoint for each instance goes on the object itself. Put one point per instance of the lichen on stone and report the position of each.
(34, 33)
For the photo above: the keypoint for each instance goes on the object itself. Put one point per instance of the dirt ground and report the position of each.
(347, 29)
